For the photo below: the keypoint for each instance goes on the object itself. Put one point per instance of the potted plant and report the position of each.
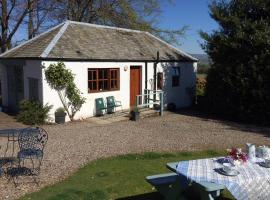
(60, 115)
(135, 114)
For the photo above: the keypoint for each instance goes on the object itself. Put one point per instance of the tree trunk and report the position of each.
(4, 26)
(30, 20)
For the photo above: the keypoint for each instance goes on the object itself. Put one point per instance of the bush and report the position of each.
(32, 112)
(203, 68)
(200, 86)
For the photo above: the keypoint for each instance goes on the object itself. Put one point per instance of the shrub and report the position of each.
(203, 68)
(200, 86)
(32, 112)
(60, 110)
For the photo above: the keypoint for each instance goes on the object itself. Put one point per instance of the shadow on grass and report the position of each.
(148, 196)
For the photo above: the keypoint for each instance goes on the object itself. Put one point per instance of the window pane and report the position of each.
(103, 85)
(106, 85)
(33, 89)
(103, 73)
(90, 75)
(175, 81)
(94, 85)
(159, 80)
(114, 84)
(100, 85)
(94, 75)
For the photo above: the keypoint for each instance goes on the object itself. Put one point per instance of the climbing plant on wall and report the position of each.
(62, 80)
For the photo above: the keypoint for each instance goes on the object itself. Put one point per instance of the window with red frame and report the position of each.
(103, 79)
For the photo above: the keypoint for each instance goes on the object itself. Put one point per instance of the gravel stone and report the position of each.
(72, 145)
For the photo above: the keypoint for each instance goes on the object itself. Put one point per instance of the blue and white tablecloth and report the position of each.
(253, 182)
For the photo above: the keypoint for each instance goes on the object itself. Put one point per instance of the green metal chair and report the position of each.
(112, 104)
(100, 106)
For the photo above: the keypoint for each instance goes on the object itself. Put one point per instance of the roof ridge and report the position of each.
(28, 41)
(171, 46)
(104, 26)
(55, 39)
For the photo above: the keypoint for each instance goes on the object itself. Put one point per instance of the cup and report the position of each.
(267, 161)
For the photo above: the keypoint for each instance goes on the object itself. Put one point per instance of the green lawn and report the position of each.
(121, 177)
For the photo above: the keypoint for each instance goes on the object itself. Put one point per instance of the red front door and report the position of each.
(135, 83)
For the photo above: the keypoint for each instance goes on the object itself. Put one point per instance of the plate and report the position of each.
(263, 164)
(233, 172)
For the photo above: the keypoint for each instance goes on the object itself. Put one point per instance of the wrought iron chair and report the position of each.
(31, 143)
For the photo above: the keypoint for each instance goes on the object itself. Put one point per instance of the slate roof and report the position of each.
(82, 41)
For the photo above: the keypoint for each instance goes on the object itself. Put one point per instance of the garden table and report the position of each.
(12, 137)
(253, 182)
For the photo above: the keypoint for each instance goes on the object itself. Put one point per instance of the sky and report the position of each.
(193, 13)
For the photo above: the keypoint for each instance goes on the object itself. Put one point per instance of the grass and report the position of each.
(121, 177)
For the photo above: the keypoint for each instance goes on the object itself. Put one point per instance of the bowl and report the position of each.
(267, 161)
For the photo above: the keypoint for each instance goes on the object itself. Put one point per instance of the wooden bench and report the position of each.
(167, 184)
(208, 190)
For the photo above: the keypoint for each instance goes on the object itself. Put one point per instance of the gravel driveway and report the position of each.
(72, 145)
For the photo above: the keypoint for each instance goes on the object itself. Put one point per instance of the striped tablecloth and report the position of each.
(253, 182)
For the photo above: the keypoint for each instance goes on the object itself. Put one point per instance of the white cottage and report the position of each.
(106, 61)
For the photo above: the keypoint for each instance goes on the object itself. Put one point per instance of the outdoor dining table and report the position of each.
(12, 137)
(253, 181)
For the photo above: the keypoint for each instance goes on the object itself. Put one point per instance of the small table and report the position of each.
(208, 190)
(12, 136)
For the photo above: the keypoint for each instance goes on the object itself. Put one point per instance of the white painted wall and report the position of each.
(80, 70)
(177, 95)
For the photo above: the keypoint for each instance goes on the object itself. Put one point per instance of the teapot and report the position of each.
(263, 151)
(251, 152)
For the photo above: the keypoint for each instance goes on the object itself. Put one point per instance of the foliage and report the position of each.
(203, 68)
(135, 109)
(238, 81)
(140, 14)
(62, 80)
(39, 15)
(200, 86)
(104, 178)
(60, 110)
(32, 112)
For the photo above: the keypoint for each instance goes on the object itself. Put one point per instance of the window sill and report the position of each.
(100, 91)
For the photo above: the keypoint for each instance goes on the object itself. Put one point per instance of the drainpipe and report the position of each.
(155, 75)
(145, 83)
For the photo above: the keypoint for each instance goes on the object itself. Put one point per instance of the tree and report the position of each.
(12, 14)
(38, 18)
(62, 80)
(133, 14)
(238, 82)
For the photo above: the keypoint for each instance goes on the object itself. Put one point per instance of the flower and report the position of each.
(237, 156)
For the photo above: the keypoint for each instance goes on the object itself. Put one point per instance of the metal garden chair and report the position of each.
(112, 104)
(100, 106)
(31, 143)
